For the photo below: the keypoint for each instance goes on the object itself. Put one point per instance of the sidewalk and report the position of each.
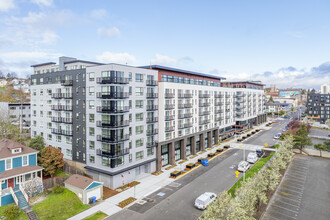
(151, 183)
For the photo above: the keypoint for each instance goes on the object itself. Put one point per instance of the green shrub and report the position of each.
(57, 189)
(11, 212)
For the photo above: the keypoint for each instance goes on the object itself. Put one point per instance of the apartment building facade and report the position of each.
(196, 111)
(318, 107)
(16, 111)
(105, 117)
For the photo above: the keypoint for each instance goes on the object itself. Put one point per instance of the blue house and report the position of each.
(20, 176)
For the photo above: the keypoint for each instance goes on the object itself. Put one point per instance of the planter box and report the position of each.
(239, 140)
(200, 160)
(226, 146)
(253, 132)
(176, 173)
(248, 135)
(190, 165)
(219, 150)
(211, 155)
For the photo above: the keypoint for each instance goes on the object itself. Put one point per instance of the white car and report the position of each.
(204, 200)
(243, 166)
(252, 158)
(277, 136)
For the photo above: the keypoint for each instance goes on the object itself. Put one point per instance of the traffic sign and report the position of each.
(266, 144)
(237, 173)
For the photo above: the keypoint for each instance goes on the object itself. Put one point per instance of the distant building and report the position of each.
(276, 107)
(325, 89)
(318, 107)
(15, 110)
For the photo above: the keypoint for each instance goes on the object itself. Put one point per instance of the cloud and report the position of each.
(6, 5)
(29, 55)
(166, 60)
(99, 13)
(109, 57)
(46, 3)
(108, 32)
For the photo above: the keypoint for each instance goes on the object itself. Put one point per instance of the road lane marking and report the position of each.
(285, 208)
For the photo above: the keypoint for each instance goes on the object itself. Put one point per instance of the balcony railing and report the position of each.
(152, 144)
(169, 106)
(186, 115)
(188, 105)
(204, 104)
(218, 118)
(112, 154)
(203, 122)
(112, 124)
(112, 109)
(62, 95)
(204, 113)
(169, 117)
(152, 119)
(112, 95)
(57, 107)
(218, 103)
(188, 95)
(204, 95)
(169, 95)
(62, 132)
(186, 125)
(62, 120)
(152, 107)
(169, 129)
(152, 132)
(67, 82)
(218, 111)
(112, 80)
(218, 96)
(151, 83)
(113, 139)
(152, 95)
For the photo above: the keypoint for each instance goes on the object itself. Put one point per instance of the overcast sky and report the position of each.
(278, 42)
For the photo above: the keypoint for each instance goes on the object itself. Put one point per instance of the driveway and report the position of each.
(304, 192)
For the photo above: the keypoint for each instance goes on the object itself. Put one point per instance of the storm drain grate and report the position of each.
(141, 202)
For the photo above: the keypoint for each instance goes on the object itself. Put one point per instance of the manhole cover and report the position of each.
(160, 194)
(141, 202)
(174, 184)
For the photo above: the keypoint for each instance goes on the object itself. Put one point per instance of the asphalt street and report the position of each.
(178, 199)
(304, 192)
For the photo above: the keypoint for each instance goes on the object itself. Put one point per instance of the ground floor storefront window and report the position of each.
(164, 153)
(178, 150)
(188, 147)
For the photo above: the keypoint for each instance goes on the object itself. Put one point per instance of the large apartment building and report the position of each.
(120, 121)
(318, 107)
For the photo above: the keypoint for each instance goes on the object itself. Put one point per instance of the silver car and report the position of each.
(204, 200)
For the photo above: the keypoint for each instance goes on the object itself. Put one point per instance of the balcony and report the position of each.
(152, 107)
(218, 111)
(56, 119)
(188, 95)
(169, 95)
(238, 95)
(218, 96)
(67, 82)
(169, 106)
(113, 139)
(62, 120)
(152, 119)
(151, 83)
(112, 124)
(152, 144)
(204, 113)
(218, 119)
(204, 95)
(62, 132)
(57, 107)
(56, 95)
(205, 104)
(152, 132)
(112, 154)
(186, 125)
(112, 95)
(112, 80)
(67, 107)
(188, 105)
(112, 109)
(218, 103)
(169, 117)
(152, 95)
(169, 129)
(187, 115)
(203, 122)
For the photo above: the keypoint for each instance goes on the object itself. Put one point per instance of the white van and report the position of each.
(204, 200)
(252, 157)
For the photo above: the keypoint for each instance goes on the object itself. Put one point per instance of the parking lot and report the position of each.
(304, 191)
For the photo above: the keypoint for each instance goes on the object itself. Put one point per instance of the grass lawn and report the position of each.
(250, 173)
(60, 173)
(3, 88)
(97, 216)
(22, 215)
(59, 206)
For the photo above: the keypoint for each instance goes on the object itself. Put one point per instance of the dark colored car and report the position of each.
(260, 152)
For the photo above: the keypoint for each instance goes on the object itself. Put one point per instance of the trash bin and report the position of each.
(205, 162)
(94, 199)
(90, 200)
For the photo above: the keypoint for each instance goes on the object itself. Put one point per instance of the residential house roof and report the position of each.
(7, 145)
(19, 170)
(79, 181)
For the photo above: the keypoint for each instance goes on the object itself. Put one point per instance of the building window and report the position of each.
(139, 142)
(91, 131)
(150, 151)
(130, 77)
(91, 77)
(139, 129)
(139, 91)
(8, 164)
(91, 90)
(139, 104)
(139, 117)
(91, 118)
(138, 77)
(91, 158)
(91, 145)
(91, 104)
(139, 155)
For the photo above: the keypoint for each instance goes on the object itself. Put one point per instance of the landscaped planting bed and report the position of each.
(181, 162)
(126, 202)
(126, 186)
(211, 155)
(156, 173)
(170, 167)
(219, 150)
(175, 173)
(190, 165)
(97, 216)
(226, 146)
(193, 156)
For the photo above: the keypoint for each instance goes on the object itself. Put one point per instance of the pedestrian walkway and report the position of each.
(150, 183)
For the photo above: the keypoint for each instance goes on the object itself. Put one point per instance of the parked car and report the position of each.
(285, 129)
(252, 157)
(277, 136)
(243, 166)
(260, 152)
(204, 200)
(329, 135)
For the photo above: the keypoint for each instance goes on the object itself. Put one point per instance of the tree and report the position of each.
(37, 143)
(219, 209)
(271, 99)
(11, 212)
(320, 147)
(301, 138)
(51, 158)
